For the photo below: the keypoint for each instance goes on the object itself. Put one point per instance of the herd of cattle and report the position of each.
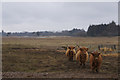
(81, 56)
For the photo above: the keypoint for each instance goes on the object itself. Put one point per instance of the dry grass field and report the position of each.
(45, 58)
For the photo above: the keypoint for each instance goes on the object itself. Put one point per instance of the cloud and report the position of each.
(56, 16)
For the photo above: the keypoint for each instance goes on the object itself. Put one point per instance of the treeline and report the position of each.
(73, 32)
(110, 29)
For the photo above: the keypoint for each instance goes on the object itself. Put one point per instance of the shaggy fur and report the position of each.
(95, 61)
(70, 53)
(82, 55)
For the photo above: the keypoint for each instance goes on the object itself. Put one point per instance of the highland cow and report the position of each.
(70, 53)
(82, 55)
(95, 61)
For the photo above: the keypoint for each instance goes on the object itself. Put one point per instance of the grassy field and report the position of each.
(45, 57)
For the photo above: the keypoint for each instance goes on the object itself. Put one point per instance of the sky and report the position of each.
(56, 16)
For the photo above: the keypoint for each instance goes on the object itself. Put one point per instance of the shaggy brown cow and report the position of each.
(82, 55)
(70, 53)
(95, 61)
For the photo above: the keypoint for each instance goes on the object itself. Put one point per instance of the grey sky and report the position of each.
(56, 16)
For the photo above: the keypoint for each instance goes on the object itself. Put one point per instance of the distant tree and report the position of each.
(8, 34)
(2, 31)
(37, 33)
(33, 32)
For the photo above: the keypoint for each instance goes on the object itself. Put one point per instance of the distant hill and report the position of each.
(110, 29)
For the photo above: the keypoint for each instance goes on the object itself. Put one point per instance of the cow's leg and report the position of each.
(84, 64)
(93, 69)
(72, 58)
(80, 63)
(97, 70)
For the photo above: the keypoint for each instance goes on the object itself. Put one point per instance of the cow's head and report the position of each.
(95, 55)
(83, 49)
(71, 48)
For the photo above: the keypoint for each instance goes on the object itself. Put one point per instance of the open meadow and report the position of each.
(34, 57)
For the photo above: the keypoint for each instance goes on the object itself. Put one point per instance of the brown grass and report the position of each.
(112, 54)
(46, 55)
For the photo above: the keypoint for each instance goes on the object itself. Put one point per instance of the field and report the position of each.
(45, 58)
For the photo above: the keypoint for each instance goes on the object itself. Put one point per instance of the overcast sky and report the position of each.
(56, 16)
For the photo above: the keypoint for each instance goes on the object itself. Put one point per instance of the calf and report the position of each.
(70, 53)
(82, 55)
(95, 61)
